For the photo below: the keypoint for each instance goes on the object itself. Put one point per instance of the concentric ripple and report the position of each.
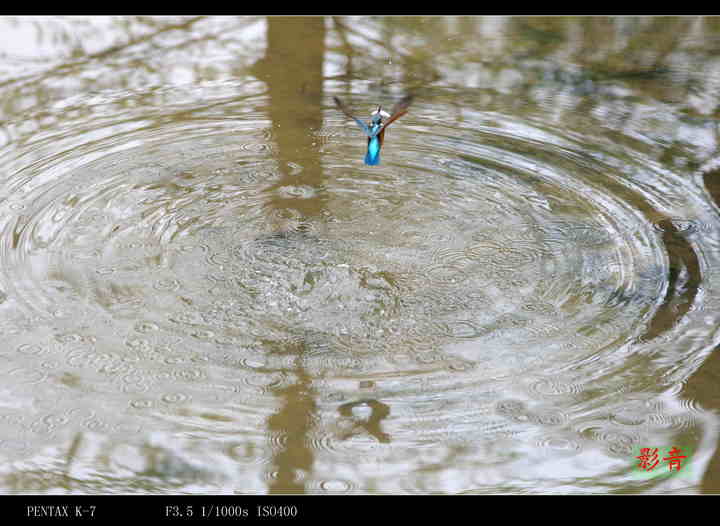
(492, 283)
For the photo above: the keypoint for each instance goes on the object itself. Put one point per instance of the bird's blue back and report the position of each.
(372, 157)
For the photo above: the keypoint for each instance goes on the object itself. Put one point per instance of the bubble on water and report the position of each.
(167, 285)
(334, 486)
(203, 334)
(551, 387)
(32, 349)
(188, 375)
(50, 364)
(617, 442)
(547, 417)
(297, 191)
(250, 452)
(142, 404)
(563, 444)
(145, 327)
(255, 147)
(175, 398)
(138, 344)
(96, 425)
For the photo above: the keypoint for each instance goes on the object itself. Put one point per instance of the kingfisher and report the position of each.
(375, 128)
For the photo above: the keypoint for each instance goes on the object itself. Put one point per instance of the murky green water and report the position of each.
(203, 289)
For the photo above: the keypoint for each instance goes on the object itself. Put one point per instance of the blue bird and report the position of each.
(375, 129)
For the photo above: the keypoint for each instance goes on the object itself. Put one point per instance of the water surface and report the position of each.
(205, 290)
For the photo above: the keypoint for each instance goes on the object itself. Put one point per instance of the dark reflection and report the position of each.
(696, 388)
(292, 424)
(363, 424)
(684, 278)
(292, 69)
(711, 179)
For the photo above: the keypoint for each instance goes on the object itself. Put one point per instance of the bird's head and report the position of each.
(378, 115)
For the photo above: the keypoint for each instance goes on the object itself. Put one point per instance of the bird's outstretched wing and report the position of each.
(400, 109)
(344, 109)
